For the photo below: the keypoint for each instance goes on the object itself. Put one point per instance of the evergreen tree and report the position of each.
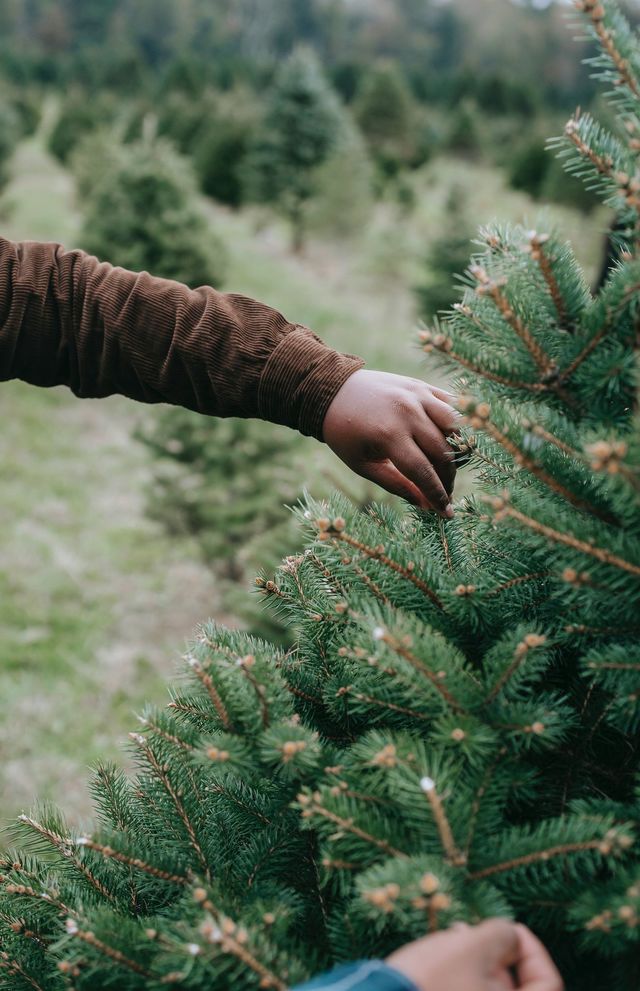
(455, 732)
(227, 483)
(141, 211)
(447, 256)
(9, 132)
(301, 127)
(384, 110)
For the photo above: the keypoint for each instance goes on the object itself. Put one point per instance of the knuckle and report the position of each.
(405, 405)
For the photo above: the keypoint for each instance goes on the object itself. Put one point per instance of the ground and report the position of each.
(96, 602)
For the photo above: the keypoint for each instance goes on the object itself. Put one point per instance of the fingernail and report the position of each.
(448, 512)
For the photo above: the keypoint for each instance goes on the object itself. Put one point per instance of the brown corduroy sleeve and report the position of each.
(68, 319)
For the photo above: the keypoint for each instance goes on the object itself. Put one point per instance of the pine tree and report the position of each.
(301, 127)
(447, 256)
(141, 212)
(9, 133)
(384, 110)
(227, 483)
(455, 732)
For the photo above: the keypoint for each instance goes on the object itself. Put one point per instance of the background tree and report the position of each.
(142, 212)
(384, 110)
(227, 483)
(454, 733)
(446, 258)
(301, 126)
(9, 133)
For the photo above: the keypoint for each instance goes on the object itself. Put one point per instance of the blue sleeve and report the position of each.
(365, 975)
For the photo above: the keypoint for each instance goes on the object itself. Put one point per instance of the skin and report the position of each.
(393, 430)
(494, 956)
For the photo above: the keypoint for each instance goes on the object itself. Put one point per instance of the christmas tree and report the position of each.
(302, 126)
(455, 732)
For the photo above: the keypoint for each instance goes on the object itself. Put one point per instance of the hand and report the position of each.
(493, 956)
(392, 430)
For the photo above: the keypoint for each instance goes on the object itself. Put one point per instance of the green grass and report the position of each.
(95, 600)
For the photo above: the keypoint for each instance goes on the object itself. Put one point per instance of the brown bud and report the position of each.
(429, 883)
(440, 900)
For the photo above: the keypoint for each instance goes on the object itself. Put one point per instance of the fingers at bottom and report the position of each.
(385, 474)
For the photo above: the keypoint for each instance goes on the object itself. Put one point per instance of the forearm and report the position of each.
(67, 319)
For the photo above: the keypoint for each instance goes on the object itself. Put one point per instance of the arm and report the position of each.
(68, 319)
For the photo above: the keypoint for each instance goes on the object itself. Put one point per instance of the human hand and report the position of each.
(392, 430)
(493, 956)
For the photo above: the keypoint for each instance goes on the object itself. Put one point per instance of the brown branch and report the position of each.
(369, 582)
(314, 808)
(110, 854)
(600, 553)
(583, 355)
(169, 737)
(445, 348)
(595, 10)
(452, 853)
(42, 896)
(601, 630)
(205, 678)
(13, 968)
(378, 554)
(267, 978)
(532, 858)
(108, 951)
(602, 165)
(530, 642)
(445, 546)
(304, 695)
(64, 846)
(490, 287)
(534, 576)
(536, 242)
(174, 796)
(347, 690)
(534, 468)
(419, 665)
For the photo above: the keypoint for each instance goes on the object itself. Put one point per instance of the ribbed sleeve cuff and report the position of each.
(300, 380)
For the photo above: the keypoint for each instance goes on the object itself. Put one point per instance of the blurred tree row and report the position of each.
(440, 47)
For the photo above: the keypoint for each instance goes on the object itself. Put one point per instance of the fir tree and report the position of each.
(455, 732)
(227, 483)
(8, 138)
(141, 211)
(384, 110)
(301, 127)
(447, 256)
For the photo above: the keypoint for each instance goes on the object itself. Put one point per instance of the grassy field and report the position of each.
(95, 600)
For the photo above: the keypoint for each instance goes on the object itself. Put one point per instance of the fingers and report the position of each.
(446, 397)
(441, 413)
(411, 461)
(536, 969)
(386, 475)
(441, 455)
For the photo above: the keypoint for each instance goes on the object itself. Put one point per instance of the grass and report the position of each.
(95, 600)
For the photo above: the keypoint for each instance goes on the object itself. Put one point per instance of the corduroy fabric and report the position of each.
(68, 319)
